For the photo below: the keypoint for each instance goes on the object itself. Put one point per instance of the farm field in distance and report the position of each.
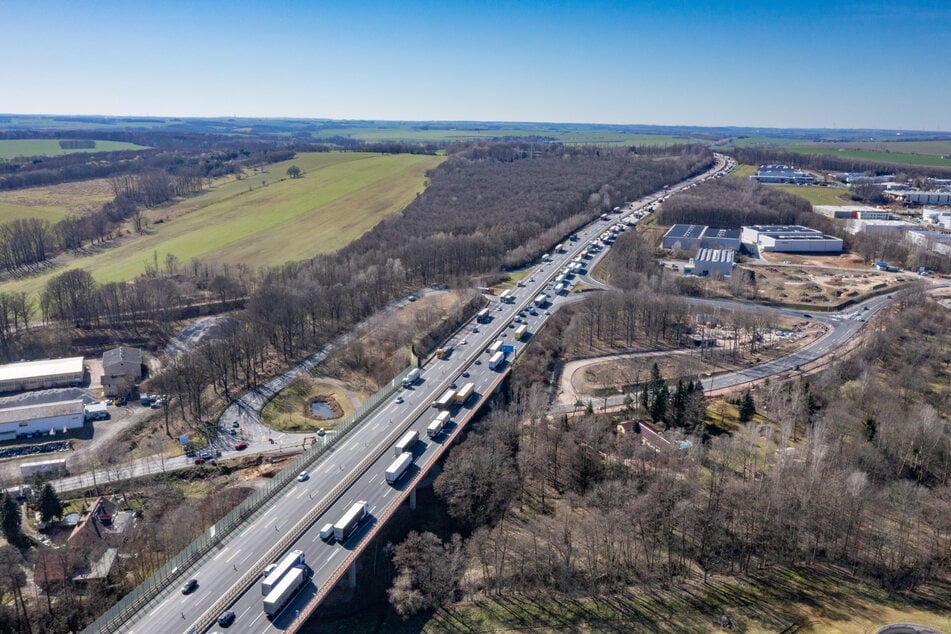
(266, 218)
(906, 158)
(11, 148)
(54, 202)
(412, 134)
(818, 195)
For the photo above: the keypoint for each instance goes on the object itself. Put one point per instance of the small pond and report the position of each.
(322, 410)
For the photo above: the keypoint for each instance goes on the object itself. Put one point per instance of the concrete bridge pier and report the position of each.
(412, 499)
(352, 576)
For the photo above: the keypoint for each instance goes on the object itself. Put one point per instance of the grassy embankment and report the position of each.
(263, 220)
(12, 148)
(287, 411)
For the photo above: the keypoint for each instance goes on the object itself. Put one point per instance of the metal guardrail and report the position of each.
(118, 616)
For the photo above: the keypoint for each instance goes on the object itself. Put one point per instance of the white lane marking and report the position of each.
(256, 620)
(236, 553)
(218, 556)
(160, 605)
(332, 555)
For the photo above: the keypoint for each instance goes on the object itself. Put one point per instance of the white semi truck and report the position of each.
(350, 520)
(398, 467)
(286, 588)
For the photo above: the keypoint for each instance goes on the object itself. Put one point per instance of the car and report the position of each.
(504, 334)
(865, 308)
(452, 385)
(204, 454)
(321, 432)
(199, 460)
(226, 618)
(520, 283)
(477, 362)
(303, 476)
(463, 342)
(517, 319)
(327, 532)
(189, 586)
(270, 568)
(475, 329)
(888, 297)
(233, 432)
(412, 298)
(531, 279)
(108, 401)
(235, 424)
(548, 312)
(240, 445)
(500, 308)
(512, 323)
(399, 400)
(466, 374)
(807, 315)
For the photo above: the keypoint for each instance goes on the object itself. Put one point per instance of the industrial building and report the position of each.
(783, 174)
(878, 226)
(46, 418)
(121, 369)
(691, 237)
(852, 212)
(936, 241)
(41, 375)
(711, 262)
(789, 239)
(922, 197)
(935, 217)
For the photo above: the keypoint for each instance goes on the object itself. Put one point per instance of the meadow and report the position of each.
(887, 156)
(596, 136)
(12, 148)
(818, 195)
(264, 219)
(54, 202)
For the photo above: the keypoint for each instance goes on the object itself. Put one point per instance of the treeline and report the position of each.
(851, 471)
(826, 162)
(734, 202)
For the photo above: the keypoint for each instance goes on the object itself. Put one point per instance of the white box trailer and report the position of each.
(497, 360)
(350, 520)
(275, 601)
(406, 443)
(290, 560)
(541, 300)
(398, 467)
(410, 379)
(437, 425)
(495, 347)
(446, 400)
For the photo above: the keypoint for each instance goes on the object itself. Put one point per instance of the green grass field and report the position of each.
(904, 158)
(418, 135)
(743, 171)
(818, 195)
(340, 196)
(12, 148)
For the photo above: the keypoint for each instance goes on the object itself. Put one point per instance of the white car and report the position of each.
(399, 400)
(302, 476)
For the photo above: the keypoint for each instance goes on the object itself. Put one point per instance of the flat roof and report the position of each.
(713, 232)
(714, 255)
(45, 410)
(39, 369)
(685, 231)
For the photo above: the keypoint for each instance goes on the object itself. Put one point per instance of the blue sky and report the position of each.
(792, 64)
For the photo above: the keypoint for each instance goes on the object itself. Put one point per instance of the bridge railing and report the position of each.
(120, 614)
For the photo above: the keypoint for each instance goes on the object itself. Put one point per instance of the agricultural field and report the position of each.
(266, 218)
(54, 202)
(906, 158)
(12, 148)
(743, 170)
(411, 134)
(933, 148)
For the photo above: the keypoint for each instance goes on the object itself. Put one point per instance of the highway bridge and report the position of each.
(228, 573)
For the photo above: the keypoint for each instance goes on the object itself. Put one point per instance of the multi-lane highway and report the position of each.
(228, 577)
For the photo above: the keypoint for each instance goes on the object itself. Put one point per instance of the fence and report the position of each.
(120, 614)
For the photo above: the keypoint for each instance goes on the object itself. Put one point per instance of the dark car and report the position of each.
(189, 586)
(807, 315)
(235, 424)
(226, 618)
(466, 374)
(199, 460)
(452, 385)
(240, 445)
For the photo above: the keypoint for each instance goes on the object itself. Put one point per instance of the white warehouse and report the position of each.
(711, 262)
(39, 375)
(40, 419)
(789, 239)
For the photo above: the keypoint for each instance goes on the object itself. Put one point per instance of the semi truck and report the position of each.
(465, 392)
(521, 331)
(438, 424)
(541, 300)
(286, 588)
(410, 379)
(507, 297)
(350, 520)
(497, 360)
(484, 316)
(406, 443)
(495, 347)
(446, 400)
(398, 467)
(271, 579)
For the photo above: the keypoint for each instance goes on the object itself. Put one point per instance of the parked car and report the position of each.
(233, 432)
(204, 454)
(240, 445)
(199, 460)
(189, 586)
(234, 424)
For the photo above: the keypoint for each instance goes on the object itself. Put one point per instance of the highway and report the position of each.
(356, 466)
